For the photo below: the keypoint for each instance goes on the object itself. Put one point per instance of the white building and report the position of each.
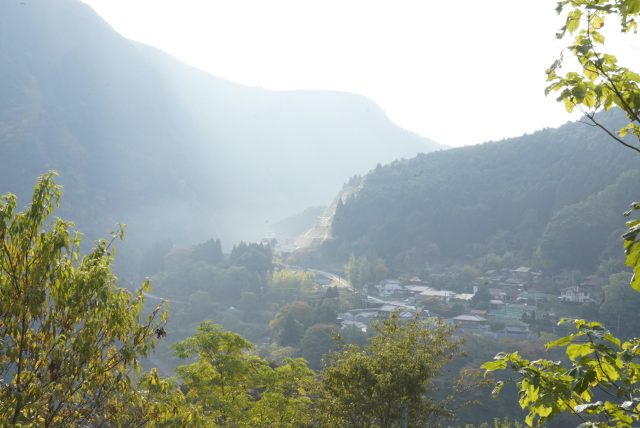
(576, 294)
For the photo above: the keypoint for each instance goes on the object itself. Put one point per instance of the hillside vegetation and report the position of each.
(533, 196)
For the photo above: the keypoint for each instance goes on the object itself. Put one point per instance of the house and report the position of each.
(576, 294)
(522, 270)
(493, 277)
(432, 294)
(416, 289)
(389, 288)
(479, 312)
(464, 296)
(365, 316)
(470, 321)
(516, 328)
(525, 296)
(417, 281)
(498, 294)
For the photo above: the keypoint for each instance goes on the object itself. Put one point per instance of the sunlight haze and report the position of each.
(459, 75)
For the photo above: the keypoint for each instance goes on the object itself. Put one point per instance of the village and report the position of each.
(515, 303)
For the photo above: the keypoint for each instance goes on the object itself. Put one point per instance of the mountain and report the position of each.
(140, 138)
(554, 197)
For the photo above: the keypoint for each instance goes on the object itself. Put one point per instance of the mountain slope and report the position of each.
(490, 198)
(140, 138)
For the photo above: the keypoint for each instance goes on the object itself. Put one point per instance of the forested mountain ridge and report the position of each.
(527, 195)
(140, 138)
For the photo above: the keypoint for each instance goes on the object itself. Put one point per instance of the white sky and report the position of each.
(458, 72)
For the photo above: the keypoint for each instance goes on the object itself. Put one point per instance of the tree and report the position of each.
(619, 309)
(318, 340)
(209, 252)
(352, 271)
(599, 385)
(359, 271)
(481, 298)
(388, 380)
(290, 284)
(601, 81)
(289, 331)
(227, 386)
(300, 312)
(256, 258)
(326, 311)
(379, 270)
(70, 340)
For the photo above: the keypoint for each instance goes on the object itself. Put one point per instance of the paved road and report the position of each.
(336, 279)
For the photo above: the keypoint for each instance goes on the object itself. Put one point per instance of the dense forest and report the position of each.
(533, 196)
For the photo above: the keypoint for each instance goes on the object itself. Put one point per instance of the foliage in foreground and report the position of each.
(70, 340)
(602, 82)
(227, 386)
(387, 382)
(380, 385)
(600, 385)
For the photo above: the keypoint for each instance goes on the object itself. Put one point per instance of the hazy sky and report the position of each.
(459, 72)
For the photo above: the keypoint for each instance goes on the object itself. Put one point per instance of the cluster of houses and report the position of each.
(587, 291)
(418, 291)
(472, 322)
(511, 285)
(512, 300)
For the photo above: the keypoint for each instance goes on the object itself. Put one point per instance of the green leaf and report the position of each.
(597, 37)
(573, 20)
(597, 22)
(577, 350)
(611, 338)
(563, 341)
(544, 411)
(609, 371)
(491, 366)
(579, 91)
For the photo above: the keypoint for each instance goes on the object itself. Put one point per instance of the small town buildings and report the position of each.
(576, 294)
(516, 328)
(466, 297)
(498, 294)
(416, 289)
(471, 321)
(431, 294)
(389, 287)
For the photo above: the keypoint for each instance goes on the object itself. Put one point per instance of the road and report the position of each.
(339, 281)
(336, 279)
